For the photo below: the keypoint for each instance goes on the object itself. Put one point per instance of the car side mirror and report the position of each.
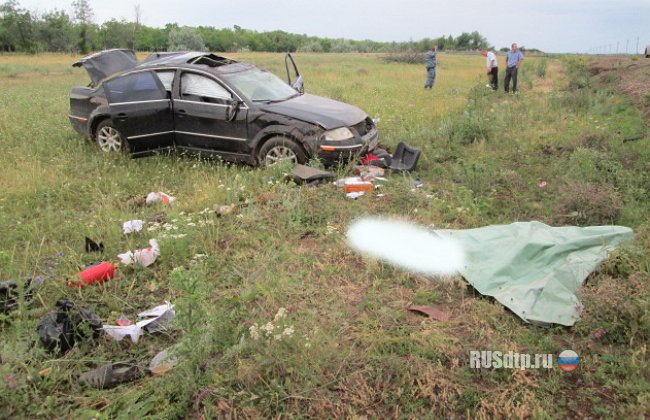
(233, 107)
(299, 85)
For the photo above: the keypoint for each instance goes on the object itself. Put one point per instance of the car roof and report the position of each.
(187, 57)
(109, 64)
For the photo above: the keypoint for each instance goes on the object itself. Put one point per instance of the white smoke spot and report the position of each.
(408, 246)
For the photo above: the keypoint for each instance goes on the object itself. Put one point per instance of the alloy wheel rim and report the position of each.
(280, 154)
(109, 139)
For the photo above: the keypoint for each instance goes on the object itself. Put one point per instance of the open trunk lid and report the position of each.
(104, 63)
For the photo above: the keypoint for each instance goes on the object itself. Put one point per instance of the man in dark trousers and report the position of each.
(492, 68)
(430, 59)
(514, 58)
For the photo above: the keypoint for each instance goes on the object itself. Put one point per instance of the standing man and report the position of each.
(514, 58)
(430, 59)
(492, 68)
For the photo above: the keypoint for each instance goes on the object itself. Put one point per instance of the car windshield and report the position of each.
(261, 86)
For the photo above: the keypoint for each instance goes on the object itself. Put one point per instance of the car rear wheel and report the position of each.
(279, 150)
(109, 139)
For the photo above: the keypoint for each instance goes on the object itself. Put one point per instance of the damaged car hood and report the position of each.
(327, 113)
(102, 64)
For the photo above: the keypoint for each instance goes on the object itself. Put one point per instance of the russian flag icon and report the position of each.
(568, 360)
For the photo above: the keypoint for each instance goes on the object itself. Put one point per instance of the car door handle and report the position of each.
(182, 112)
(122, 116)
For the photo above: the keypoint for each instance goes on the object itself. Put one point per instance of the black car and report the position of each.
(212, 105)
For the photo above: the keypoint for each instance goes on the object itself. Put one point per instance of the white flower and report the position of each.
(282, 312)
(255, 335)
(288, 331)
(268, 328)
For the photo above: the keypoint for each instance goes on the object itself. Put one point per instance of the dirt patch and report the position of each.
(629, 76)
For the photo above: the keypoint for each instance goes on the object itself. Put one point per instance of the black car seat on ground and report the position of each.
(405, 158)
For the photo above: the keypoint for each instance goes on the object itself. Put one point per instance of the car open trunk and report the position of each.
(104, 63)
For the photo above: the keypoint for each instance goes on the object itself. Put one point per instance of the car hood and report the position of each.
(104, 63)
(325, 112)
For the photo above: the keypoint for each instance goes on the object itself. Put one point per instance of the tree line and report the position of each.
(58, 31)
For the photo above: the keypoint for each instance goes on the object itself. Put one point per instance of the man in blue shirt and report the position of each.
(430, 59)
(514, 58)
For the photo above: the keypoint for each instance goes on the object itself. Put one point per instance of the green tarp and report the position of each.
(534, 269)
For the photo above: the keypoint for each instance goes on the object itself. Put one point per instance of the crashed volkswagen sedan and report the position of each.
(211, 105)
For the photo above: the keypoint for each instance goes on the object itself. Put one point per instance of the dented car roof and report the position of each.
(103, 64)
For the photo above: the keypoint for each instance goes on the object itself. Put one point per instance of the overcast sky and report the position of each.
(550, 25)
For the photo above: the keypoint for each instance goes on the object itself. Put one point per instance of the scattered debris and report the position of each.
(136, 201)
(155, 319)
(92, 246)
(223, 210)
(111, 375)
(155, 197)
(95, 274)
(357, 185)
(405, 158)
(543, 184)
(157, 218)
(9, 294)
(45, 372)
(600, 333)
(302, 174)
(163, 362)
(370, 173)
(132, 226)
(123, 321)
(354, 195)
(62, 328)
(431, 312)
(144, 257)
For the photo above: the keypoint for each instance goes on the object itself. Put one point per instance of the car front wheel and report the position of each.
(109, 139)
(281, 149)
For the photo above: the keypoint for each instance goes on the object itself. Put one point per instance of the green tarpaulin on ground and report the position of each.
(534, 269)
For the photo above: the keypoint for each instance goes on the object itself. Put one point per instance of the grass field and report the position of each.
(354, 351)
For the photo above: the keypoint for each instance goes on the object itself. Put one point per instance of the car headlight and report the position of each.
(338, 134)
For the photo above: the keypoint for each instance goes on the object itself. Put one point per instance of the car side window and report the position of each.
(167, 79)
(135, 87)
(195, 87)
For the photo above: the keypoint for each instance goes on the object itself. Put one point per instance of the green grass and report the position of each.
(355, 351)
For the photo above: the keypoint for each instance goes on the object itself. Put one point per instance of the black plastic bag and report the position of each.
(62, 328)
(9, 294)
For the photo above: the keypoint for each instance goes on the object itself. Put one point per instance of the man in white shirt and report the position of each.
(492, 68)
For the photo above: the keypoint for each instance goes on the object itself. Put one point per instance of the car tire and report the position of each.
(109, 139)
(279, 149)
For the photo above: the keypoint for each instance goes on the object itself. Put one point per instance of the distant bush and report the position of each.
(409, 57)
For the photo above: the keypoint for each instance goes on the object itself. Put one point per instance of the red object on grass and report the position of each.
(95, 274)
(369, 158)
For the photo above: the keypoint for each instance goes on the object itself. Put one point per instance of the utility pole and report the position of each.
(627, 43)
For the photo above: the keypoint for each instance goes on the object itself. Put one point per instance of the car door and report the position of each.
(204, 117)
(142, 111)
(293, 75)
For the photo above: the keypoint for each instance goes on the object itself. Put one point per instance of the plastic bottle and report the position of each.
(95, 274)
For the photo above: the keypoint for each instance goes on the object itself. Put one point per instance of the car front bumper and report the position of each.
(344, 151)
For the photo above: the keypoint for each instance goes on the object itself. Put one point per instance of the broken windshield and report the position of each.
(260, 85)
